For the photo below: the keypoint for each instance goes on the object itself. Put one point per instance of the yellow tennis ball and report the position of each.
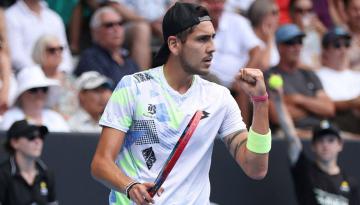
(275, 81)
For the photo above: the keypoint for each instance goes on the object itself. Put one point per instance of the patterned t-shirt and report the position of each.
(153, 116)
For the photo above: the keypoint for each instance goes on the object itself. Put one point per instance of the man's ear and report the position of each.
(174, 45)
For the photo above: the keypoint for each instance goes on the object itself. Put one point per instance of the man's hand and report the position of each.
(139, 194)
(252, 81)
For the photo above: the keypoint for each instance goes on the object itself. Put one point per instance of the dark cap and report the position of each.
(325, 129)
(177, 19)
(334, 34)
(22, 128)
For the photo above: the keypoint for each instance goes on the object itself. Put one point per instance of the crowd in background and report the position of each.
(60, 60)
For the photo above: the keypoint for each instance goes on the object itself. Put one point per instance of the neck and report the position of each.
(176, 77)
(26, 164)
(287, 66)
(260, 34)
(336, 65)
(34, 114)
(330, 168)
(34, 5)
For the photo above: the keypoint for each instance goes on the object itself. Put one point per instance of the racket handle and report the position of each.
(152, 191)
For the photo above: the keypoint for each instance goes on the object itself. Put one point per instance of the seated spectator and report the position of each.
(341, 83)
(26, 21)
(48, 53)
(322, 180)
(107, 56)
(264, 18)
(302, 14)
(94, 93)
(31, 97)
(145, 18)
(352, 9)
(24, 178)
(304, 96)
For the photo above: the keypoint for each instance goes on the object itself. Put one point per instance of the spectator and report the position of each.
(107, 55)
(264, 17)
(303, 92)
(24, 178)
(26, 21)
(31, 98)
(146, 19)
(48, 53)
(94, 93)
(7, 81)
(341, 83)
(352, 9)
(236, 6)
(302, 14)
(236, 47)
(319, 181)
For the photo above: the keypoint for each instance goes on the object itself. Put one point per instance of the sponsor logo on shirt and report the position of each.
(43, 188)
(326, 198)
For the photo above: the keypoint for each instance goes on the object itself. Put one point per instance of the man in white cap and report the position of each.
(94, 92)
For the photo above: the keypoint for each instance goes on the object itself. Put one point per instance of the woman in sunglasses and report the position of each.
(303, 15)
(48, 53)
(31, 100)
(24, 178)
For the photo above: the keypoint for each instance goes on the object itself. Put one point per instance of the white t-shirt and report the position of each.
(233, 41)
(51, 119)
(153, 116)
(340, 85)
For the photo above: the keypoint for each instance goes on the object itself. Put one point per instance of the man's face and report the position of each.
(29, 148)
(327, 148)
(196, 52)
(110, 33)
(290, 50)
(353, 11)
(215, 8)
(337, 50)
(95, 100)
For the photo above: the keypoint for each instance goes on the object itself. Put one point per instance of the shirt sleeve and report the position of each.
(232, 121)
(3, 187)
(52, 188)
(119, 110)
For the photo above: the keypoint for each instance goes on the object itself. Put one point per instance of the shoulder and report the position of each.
(5, 168)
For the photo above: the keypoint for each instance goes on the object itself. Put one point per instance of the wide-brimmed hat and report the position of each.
(32, 77)
(177, 19)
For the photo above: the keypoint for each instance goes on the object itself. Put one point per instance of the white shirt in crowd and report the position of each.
(51, 119)
(340, 85)
(233, 41)
(24, 27)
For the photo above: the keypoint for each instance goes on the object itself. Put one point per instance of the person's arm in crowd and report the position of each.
(294, 144)
(320, 104)
(104, 169)
(5, 66)
(254, 164)
(66, 64)
(344, 105)
(125, 12)
(76, 23)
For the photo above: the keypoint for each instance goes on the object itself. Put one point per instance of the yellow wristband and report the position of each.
(258, 143)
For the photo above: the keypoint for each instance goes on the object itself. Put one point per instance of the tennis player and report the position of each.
(149, 110)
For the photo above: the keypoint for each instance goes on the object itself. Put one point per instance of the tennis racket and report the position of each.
(176, 152)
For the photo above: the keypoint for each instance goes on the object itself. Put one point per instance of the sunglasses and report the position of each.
(108, 25)
(53, 50)
(303, 10)
(275, 12)
(294, 41)
(36, 90)
(33, 136)
(341, 43)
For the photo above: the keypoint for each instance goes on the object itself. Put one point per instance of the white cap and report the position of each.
(91, 80)
(32, 77)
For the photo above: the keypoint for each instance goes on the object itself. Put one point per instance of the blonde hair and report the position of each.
(40, 47)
